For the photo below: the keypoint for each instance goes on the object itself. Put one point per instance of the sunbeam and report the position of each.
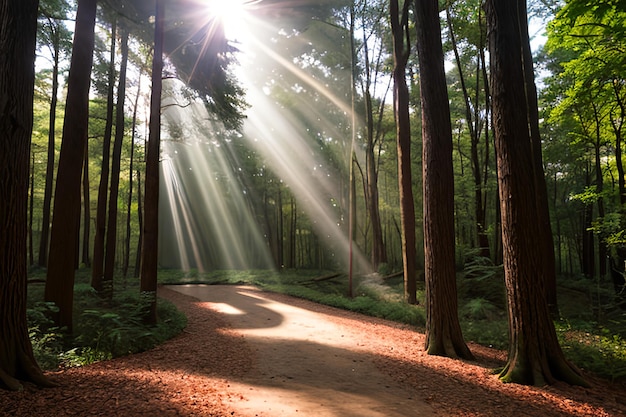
(208, 217)
(206, 221)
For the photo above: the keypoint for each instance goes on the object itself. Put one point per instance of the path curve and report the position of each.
(305, 364)
(249, 353)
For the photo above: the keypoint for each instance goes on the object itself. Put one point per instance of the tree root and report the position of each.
(29, 371)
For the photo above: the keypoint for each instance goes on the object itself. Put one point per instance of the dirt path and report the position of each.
(305, 363)
(248, 353)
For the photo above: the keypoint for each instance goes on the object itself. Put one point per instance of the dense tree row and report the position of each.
(405, 136)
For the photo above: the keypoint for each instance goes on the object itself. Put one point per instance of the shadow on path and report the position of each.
(305, 364)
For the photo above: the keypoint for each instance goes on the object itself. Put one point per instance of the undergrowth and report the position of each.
(102, 329)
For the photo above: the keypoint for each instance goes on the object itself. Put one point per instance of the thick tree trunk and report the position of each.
(535, 356)
(18, 26)
(61, 262)
(97, 270)
(443, 331)
(545, 239)
(150, 250)
(116, 160)
(399, 29)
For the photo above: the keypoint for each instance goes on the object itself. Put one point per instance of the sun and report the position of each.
(233, 14)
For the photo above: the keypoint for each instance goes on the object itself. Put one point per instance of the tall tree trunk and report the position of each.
(86, 208)
(401, 49)
(31, 212)
(617, 124)
(379, 252)
(602, 248)
(18, 26)
(97, 270)
(61, 261)
(47, 197)
(150, 249)
(130, 180)
(140, 223)
(111, 235)
(280, 230)
(545, 239)
(474, 131)
(535, 356)
(443, 331)
(588, 264)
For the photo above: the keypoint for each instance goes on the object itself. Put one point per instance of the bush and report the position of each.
(103, 330)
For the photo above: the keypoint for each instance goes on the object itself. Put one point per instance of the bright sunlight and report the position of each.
(233, 14)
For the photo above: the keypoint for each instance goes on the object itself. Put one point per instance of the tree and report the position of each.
(97, 269)
(56, 37)
(588, 40)
(149, 251)
(443, 331)
(18, 28)
(401, 50)
(111, 236)
(535, 356)
(465, 28)
(61, 263)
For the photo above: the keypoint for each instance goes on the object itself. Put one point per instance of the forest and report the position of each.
(466, 155)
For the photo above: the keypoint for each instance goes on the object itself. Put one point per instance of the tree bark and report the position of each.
(535, 357)
(149, 253)
(97, 270)
(545, 238)
(61, 262)
(443, 331)
(401, 49)
(18, 27)
(111, 235)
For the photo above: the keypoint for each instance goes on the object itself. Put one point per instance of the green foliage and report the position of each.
(46, 338)
(603, 354)
(103, 330)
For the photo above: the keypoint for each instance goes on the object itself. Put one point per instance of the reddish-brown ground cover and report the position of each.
(250, 353)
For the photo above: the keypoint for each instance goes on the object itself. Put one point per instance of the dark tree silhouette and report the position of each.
(18, 28)
(149, 253)
(63, 239)
(97, 268)
(111, 236)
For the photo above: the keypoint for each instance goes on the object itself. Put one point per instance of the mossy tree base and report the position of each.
(540, 373)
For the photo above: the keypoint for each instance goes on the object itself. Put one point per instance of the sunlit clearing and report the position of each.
(206, 218)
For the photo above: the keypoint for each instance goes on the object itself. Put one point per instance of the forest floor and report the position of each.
(251, 353)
